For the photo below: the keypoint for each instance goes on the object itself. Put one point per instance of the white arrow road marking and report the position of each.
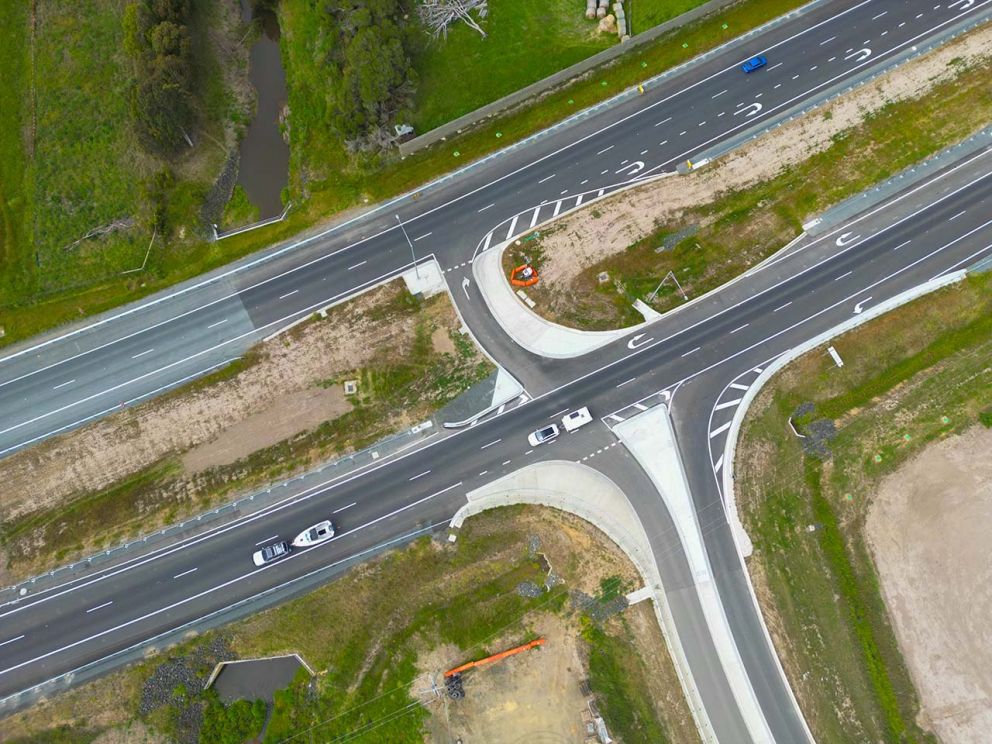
(751, 109)
(861, 55)
(465, 284)
(636, 167)
(965, 4)
(632, 344)
(858, 308)
(846, 238)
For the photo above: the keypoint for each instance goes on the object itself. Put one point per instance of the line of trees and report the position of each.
(373, 79)
(157, 39)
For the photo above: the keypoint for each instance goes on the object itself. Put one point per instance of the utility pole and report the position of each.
(409, 243)
(669, 275)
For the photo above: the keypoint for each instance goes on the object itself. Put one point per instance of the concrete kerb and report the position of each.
(769, 371)
(650, 438)
(595, 498)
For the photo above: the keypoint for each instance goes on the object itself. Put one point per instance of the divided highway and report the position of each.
(693, 355)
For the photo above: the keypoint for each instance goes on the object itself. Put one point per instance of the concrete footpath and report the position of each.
(650, 438)
(587, 493)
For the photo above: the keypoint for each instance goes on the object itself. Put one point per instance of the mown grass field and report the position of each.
(330, 185)
(918, 374)
(366, 633)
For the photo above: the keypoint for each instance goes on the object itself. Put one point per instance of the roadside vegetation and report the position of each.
(382, 631)
(322, 183)
(708, 245)
(916, 375)
(277, 411)
(85, 84)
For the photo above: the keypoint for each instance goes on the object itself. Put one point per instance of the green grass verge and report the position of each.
(323, 183)
(915, 375)
(743, 227)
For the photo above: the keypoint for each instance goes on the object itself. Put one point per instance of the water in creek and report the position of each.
(264, 167)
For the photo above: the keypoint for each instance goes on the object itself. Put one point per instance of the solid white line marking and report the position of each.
(268, 539)
(487, 207)
(63, 384)
(506, 462)
(626, 381)
(496, 441)
(557, 208)
(360, 263)
(421, 475)
(957, 215)
(185, 573)
(719, 94)
(720, 429)
(692, 352)
(100, 607)
(606, 149)
(875, 18)
(728, 404)
(778, 64)
(513, 226)
(219, 322)
(146, 351)
(643, 152)
(843, 275)
(4, 643)
(719, 463)
(547, 178)
(533, 220)
(782, 307)
(489, 239)
(738, 386)
(662, 143)
(906, 242)
(288, 294)
(740, 328)
(353, 503)
(528, 452)
(827, 41)
(663, 121)
(425, 235)
(640, 407)
(578, 202)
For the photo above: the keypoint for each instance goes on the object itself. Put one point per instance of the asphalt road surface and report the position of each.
(694, 355)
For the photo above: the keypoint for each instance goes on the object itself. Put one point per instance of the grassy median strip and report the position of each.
(419, 363)
(378, 636)
(351, 185)
(915, 375)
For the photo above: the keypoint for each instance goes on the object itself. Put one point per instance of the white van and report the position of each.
(576, 419)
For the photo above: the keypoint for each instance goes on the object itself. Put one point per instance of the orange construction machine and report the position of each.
(453, 677)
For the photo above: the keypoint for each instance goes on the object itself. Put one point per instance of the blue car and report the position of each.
(755, 63)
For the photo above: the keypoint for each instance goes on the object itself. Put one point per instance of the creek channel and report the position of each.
(264, 156)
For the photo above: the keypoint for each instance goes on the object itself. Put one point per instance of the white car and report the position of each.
(577, 419)
(270, 553)
(320, 532)
(543, 435)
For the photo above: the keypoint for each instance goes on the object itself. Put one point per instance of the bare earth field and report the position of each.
(929, 529)
(607, 227)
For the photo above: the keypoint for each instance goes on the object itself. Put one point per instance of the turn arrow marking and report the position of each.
(637, 166)
(860, 56)
(845, 239)
(751, 109)
(632, 344)
(465, 283)
(858, 308)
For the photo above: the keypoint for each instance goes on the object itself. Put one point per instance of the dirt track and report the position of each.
(929, 529)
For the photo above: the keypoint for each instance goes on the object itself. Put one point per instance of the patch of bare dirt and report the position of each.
(274, 398)
(607, 227)
(928, 529)
(285, 416)
(533, 696)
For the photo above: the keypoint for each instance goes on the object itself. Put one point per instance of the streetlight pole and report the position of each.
(409, 243)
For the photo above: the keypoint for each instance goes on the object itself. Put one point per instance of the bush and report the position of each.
(986, 417)
(232, 724)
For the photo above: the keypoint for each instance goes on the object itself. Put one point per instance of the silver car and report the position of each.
(271, 553)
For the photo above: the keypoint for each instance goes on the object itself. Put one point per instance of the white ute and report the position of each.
(577, 419)
(320, 532)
